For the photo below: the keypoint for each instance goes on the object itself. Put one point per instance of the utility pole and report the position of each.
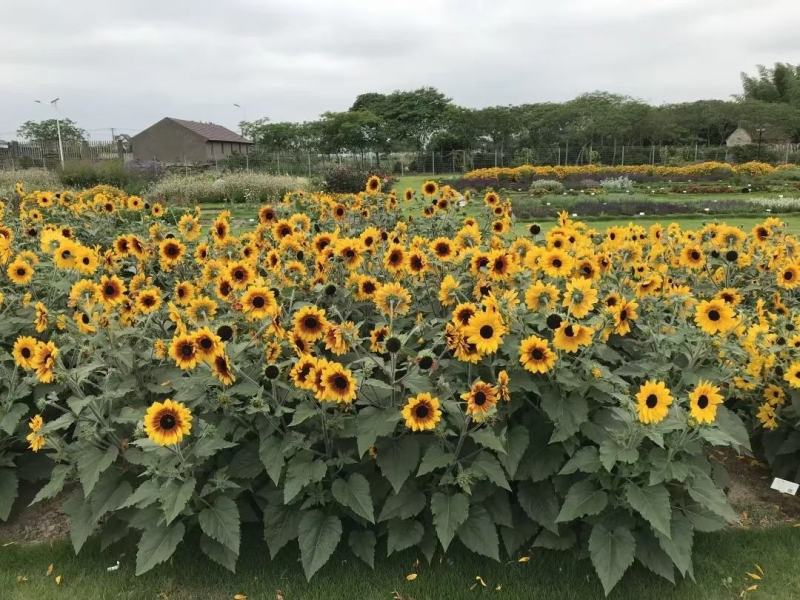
(54, 104)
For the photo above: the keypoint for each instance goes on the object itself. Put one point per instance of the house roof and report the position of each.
(211, 131)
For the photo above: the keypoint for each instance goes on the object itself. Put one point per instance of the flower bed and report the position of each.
(347, 377)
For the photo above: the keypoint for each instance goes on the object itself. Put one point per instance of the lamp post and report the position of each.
(54, 104)
(760, 131)
(241, 132)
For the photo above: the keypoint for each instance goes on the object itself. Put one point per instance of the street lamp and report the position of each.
(54, 104)
(241, 132)
(760, 131)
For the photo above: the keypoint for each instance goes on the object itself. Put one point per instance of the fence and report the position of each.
(21, 155)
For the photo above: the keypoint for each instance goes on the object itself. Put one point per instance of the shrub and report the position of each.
(542, 187)
(231, 187)
(433, 385)
(31, 179)
(349, 179)
(617, 184)
(86, 173)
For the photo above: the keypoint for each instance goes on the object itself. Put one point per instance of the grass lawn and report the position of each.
(722, 561)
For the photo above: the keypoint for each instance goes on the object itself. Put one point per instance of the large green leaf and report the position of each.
(403, 534)
(175, 496)
(318, 536)
(518, 440)
(354, 494)
(269, 451)
(706, 493)
(373, 422)
(435, 458)
(479, 534)
(650, 553)
(408, 503)
(12, 417)
(567, 414)
(611, 551)
(449, 512)
(585, 460)
(92, 462)
(362, 543)
(540, 503)
(303, 469)
(280, 526)
(53, 487)
(583, 498)
(8, 492)
(398, 459)
(488, 439)
(157, 544)
(487, 465)
(147, 493)
(653, 503)
(220, 522)
(679, 544)
(219, 553)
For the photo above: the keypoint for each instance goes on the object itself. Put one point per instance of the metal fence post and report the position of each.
(433, 162)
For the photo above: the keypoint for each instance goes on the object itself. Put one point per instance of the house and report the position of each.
(739, 137)
(177, 141)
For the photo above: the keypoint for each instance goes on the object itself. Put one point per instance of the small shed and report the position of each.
(739, 137)
(178, 141)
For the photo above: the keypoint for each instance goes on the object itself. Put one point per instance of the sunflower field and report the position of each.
(342, 376)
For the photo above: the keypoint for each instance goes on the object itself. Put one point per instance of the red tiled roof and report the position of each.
(212, 132)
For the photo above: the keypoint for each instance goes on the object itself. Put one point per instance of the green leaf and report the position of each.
(55, 485)
(403, 534)
(479, 534)
(147, 493)
(583, 499)
(652, 556)
(408, 503)
(487, 438)
(611, 452)
(585, 460)
(280, 526)
(91, 463)
(653, 503)
(318, 536)
(8, 492)
(303, 412)
(373, 422)
(12, 417)
(449, 512)
(174, 497)
(79, 514)
(611, 551)
(220, 522)
(208, 446)
(705, 492)
(567, 414)
(517, 443)
(354, 493)
(540, 503)
(679, 544)
(218, 553)
(435, 458)
(157, 545)
(303, 469)
(362, 543)
(488, 466)
(555, 541)
(397, 459)
(269, 450)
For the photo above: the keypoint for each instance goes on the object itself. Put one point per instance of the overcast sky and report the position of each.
(128, 64)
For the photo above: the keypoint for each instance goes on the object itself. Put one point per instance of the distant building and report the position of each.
(739, 137)
(176, 141)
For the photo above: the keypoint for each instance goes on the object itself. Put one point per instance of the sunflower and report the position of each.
(309, 323)
(170, 253)
(20, 272)
(378, 337)
(302, 371)
(703, 402)
(24, 352)
(569, 337)
(373, 184)
(201, 309)
(792, 375)
(775, 395)
(221, 368)
(788, 277)
(624, 312)
(692, 257)
(166, 423)
(394, 259)
(429, 188)
(541, 295)
(714, 316)
(447, 290)
(535, 355)
(408, 194)
(392, 299)
(84, 322)
(112, 290)
(35, 439)
(189, 227)
(556, 263)
(485, 329)
(258, 303)
(480, 398)
(422, 412)
(337, 384)
(148, 300)
(580, 297)
(653, 401)
(183, 351)
(442, 248)
(366, 287)
(44, 360)
(207, 344)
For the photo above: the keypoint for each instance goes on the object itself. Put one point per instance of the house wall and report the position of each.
(739, 137)
(220, 150)
(169, 142)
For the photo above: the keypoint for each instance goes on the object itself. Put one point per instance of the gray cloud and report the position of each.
(127, 64)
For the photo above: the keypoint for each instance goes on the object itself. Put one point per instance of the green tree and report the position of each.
(780, 83)
(46, 131)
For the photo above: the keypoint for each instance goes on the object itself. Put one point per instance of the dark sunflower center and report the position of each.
(702, 401)
(25, 352)
(487, 331)
(172, 250)
(499, 264)
(109, 290)
(311, 323)
(442, 249)
(557, 263)
(167, 421)
(623, 315)
(714, 315)
(239, 274)
(480, 398)
(368, 287)
(206, 343)
(421, 411)
(148, 301)
(788, 275)
(85, 318)
(537, 354)
(652, 401)
(569, 331)
(695, 255)
(187, 350)
(340, 382)
(21, 271)
(350, 253)
(258, 302)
